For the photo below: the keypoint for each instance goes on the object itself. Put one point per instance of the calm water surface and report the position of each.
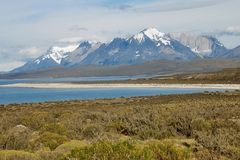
(71, 79)
(27, 95)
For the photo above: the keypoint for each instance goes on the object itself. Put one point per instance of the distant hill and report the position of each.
(151, 68)
(233, 53)
(226, 76)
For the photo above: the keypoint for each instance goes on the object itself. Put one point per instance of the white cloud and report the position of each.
(228, 31)
(11, 57)
(74, 40)
(77, 28)
(31, 52)
(7, 66)
(70, 40)
(233, 30)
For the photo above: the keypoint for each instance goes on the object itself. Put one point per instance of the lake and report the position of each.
(28, 95)
(69, 79)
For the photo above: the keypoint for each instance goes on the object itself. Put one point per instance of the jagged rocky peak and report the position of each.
(203, 45)
(57, 53)
(85, 48)
(87, 43)
(62, 50)
(153, 34)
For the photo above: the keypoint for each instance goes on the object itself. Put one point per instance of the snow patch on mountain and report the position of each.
(57, 53)
(139, 37)
(154, 35)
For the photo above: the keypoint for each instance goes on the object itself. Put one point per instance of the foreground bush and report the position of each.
(50, 140)
(128, 150)
(17, 155)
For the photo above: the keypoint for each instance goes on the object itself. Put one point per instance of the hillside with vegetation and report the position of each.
(149, 69)
(169, 127)
(226, 76)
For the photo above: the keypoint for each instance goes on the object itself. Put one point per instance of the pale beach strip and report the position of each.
(120, 85)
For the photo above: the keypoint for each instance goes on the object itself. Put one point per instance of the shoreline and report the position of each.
(119, 85)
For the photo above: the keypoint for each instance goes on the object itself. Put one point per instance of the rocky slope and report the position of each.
(204, 46)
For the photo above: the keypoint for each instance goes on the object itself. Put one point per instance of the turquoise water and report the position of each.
(27, 95)
(70, 79)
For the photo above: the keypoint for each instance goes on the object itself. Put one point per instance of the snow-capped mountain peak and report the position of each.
(139, 37)
(63, 50)
(154, 35)
(57, 53)
(147, 45)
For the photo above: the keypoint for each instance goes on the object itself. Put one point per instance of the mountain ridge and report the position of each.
(233, 53)
(147, 45)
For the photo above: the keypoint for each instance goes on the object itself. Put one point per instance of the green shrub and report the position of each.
(181, 123)
(200, 124)
(17, 138)
(167, 151)
(49, 155)
(17, 155)
(129, 150)
(69, 146)
(51, 140)
(54, 128)
(35, 120)
(108, 150)
(233, 153)
(3, 139)
(92, 132)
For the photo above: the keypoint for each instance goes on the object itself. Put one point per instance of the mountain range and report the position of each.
(147, 45)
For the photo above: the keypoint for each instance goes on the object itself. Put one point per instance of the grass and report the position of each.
(192, 126)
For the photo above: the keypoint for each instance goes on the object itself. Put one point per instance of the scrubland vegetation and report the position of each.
(171, 127)
(226, 76)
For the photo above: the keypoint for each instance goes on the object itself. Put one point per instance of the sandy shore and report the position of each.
(71, 86)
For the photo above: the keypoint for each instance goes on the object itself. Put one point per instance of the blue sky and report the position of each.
(29, 27)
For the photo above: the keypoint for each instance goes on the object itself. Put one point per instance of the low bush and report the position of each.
(17, 155)
(48, 139)
(129, 150)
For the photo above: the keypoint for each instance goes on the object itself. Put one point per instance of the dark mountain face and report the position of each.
(218, 49)
(233, 53)
(78, 55)
(36, 66)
